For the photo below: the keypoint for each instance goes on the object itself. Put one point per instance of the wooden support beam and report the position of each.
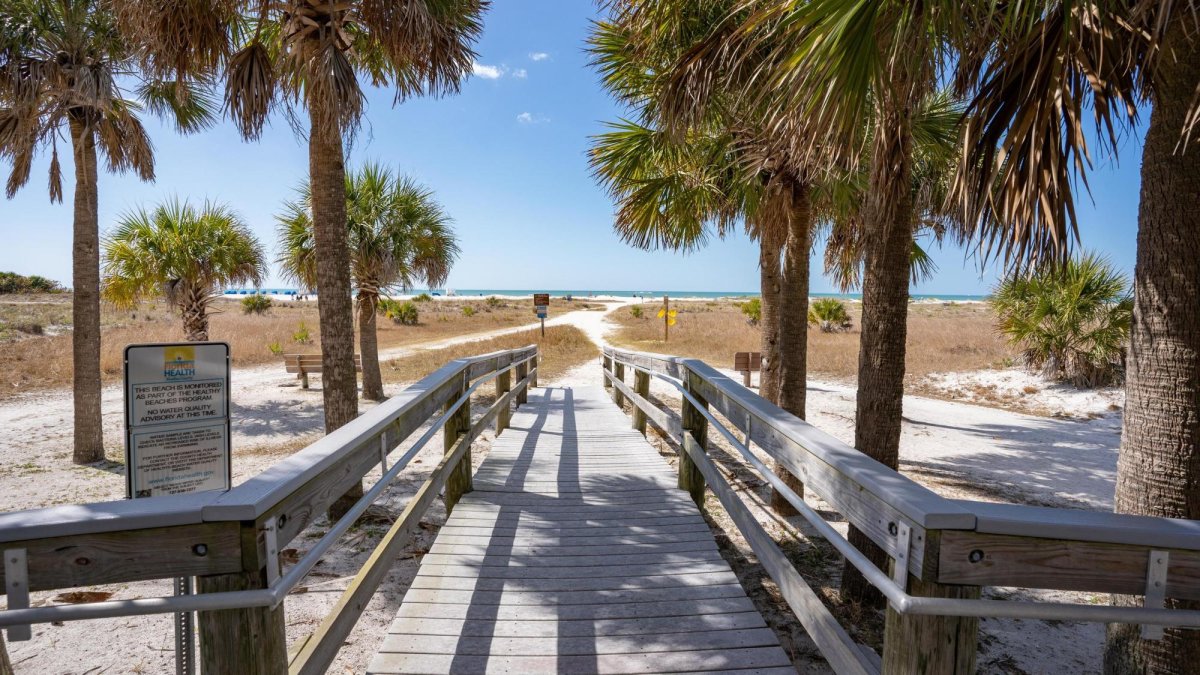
(503, 386)
(931, 644)
(641, 384)
(459, 481)
(522, 373)
(690, 477)
(249, 640)
(619, 374)
(130, 555)
(608, 362)
(533, 372)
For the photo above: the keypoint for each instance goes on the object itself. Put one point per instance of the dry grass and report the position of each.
(30, 361)
(941, 338)
(563, 348)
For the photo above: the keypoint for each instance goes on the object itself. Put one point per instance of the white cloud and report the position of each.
(532, 118)
(538, 56)
(487, 72)
(520, 73)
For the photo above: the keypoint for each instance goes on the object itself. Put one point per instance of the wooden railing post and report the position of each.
(619, 373)
(641, 385)
(503, 386)
(251, 640)
(523, 395)
(533, 375)
(607, 369)
(459, 481)
(695, 425)
(931, 644)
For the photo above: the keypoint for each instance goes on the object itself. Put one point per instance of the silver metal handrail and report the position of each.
(901, 600)
(280, 586)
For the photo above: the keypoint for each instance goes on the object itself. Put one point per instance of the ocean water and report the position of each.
(583, 293)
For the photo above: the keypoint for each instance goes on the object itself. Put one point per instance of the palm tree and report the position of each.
(398, 235)
(672, 188)
(306, 56)
(1047, 69)
(183, 253)
(64, 67)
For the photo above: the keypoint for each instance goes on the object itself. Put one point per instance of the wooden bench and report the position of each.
(304, 365)
(746, 363)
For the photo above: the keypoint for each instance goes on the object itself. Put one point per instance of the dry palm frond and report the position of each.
(250, 89)
(126, 144)
(55, 179)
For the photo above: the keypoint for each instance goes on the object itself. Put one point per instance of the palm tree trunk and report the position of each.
(339, 381)
(1158, 471)
(372, 385)
(85, 306)
(793, 325)
(771, 286)
(888, 248)
(193, 306)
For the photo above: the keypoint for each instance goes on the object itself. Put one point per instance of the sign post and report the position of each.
(668, 316)
(541, 307)
(177, 437)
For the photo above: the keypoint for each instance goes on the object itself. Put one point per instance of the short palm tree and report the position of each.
(66, 73)
(1070, 321)
(183, 253)
(398, 235)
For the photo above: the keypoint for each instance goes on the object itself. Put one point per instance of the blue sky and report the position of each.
(507, 157)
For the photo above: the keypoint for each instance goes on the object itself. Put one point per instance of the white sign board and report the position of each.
(176, 418)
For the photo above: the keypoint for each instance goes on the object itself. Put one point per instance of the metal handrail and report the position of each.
(901, 600)
(281, 586)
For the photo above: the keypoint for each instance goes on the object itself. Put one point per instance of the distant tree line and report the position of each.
(11, 282)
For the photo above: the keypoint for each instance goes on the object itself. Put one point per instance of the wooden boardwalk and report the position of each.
(576, 553)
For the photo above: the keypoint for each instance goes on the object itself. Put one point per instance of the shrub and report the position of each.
(636, 311)
(468, 311)
(1070, 322)
(256, 304)
(753, 310)
(829, 314)
(275, 348)
(302, 336)
(424, 297)
(403, 313)
(494, 303)
(11, 282)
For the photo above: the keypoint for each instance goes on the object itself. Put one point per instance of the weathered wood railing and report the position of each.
(942, 551)
(231, 541)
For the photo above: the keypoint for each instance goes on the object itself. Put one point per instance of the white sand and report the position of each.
(961, 450)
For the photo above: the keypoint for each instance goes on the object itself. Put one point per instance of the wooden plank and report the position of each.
(694, 424)
(555, 548)
(641, 388)
(835, 644)
(577, 531)
(249, 640)
(583, 628)
(1095, 526)
(577, 612)
(554, 599)
(458, 570)
(690, 661)
(135, 555)
(610, 584)
(322, 647)
(568, 646)
(526, 541)
(494, 560)
(977, 559)
(127, 514)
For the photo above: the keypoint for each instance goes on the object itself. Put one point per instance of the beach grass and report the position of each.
(563, 348)
(35, 332)
(950, 337)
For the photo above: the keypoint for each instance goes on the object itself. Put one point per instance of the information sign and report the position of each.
(177, 418)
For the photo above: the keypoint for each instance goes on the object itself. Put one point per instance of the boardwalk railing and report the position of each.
(231, 541)
(941, 551)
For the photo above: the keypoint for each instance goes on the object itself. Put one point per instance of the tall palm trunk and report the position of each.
(793, 324)
(339, 382)
(193, 305)
(1158, 472)
(770, 288)
(888, 248)
(372, 386)
(85, 305)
